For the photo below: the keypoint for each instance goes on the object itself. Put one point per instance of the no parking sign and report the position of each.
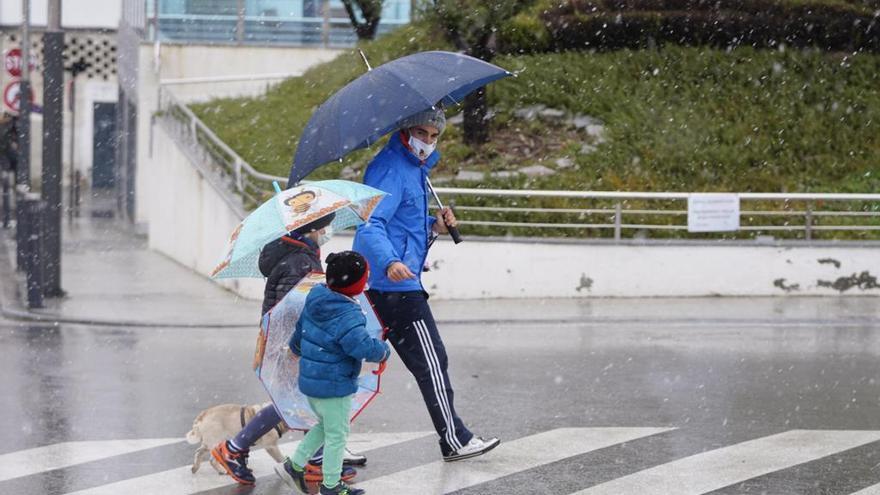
(12, 96)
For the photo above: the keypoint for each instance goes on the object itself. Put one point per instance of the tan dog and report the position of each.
(223, 422)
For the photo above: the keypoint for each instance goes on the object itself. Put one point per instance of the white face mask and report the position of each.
(324, 238)
(420, 149)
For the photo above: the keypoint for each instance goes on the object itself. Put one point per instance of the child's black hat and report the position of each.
(346, 270)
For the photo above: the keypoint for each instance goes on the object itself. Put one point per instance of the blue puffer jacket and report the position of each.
(400, 227)
(331, 340)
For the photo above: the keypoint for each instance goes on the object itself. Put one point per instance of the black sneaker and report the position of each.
(291, 476)
(353, 459)
(477, 446)
(341, 489)
(234, 463)
(350, 458)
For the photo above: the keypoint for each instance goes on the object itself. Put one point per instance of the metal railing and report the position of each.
(619, 215)
(221, 164)
(305, 31)
(574, 214)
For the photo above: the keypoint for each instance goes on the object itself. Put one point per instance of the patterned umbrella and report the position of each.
(290, 209)
(278, 368)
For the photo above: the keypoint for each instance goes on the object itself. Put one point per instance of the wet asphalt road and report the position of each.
(714, 382)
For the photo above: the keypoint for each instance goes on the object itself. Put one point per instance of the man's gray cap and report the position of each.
(433, 117)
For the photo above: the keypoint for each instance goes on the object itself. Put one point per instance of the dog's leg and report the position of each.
(275, 452)
(199, 458)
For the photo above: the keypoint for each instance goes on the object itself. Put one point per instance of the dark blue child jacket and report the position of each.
(331, 340)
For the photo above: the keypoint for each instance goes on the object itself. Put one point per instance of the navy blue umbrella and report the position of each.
(371, 106)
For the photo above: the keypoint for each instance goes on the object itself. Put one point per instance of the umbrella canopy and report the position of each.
(290, 209)
(278, 368)
(371, 106)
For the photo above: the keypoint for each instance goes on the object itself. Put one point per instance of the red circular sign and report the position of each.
(12, 62)
(12, 96)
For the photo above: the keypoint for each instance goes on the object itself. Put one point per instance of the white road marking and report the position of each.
(871, 490)
(181, 481)
(66, 454)
(508, 458)
(722, 467)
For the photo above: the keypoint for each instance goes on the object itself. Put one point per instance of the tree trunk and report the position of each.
(372, 14)
(476, 125)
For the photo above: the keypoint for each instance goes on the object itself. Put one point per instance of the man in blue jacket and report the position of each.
(395, 241)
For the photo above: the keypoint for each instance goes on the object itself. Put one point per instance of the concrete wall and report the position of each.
(476, 269)
(205, 61)
(189, 221)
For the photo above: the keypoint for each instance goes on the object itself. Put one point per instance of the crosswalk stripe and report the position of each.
(871, 490)
(181, 481)
(66, 454)
(508, 458)
(718, 468)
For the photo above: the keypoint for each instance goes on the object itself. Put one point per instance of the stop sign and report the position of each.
(12, 62)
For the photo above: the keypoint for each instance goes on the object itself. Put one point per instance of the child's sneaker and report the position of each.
(314, 474)
(341, 489)
(234, 463)
(477, 446)
(349, 459)
(292, 477)
(353, 459)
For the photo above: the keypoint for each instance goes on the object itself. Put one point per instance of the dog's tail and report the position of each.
(194, 437)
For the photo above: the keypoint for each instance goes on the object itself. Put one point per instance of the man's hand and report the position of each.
(445, 218)
(398, 272)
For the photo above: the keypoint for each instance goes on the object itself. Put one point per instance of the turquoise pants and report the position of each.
(331, 432)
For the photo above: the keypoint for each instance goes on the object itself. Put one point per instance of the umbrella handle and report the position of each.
(456, 236)
(381, 368)
(453, 231)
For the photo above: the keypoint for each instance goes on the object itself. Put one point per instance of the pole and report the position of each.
(73, 184)
(239, 22)
(24, 114)
(325, 25)
(34, 211)
(23, 172)
(53, 127)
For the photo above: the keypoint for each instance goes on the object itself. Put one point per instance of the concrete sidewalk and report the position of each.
(111, 277)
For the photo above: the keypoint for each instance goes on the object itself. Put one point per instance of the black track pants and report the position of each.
(413, 334)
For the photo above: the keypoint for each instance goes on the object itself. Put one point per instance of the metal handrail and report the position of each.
(253, 186)
(654, 195)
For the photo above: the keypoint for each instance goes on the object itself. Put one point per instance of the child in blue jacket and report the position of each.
(332, 341)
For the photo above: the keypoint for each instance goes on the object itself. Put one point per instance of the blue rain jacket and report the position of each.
(400, 226)
(331, 340)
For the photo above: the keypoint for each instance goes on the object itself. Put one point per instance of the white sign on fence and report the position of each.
(713, 212)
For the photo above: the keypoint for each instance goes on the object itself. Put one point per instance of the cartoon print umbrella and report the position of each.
(278, 368)
(290, 209)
